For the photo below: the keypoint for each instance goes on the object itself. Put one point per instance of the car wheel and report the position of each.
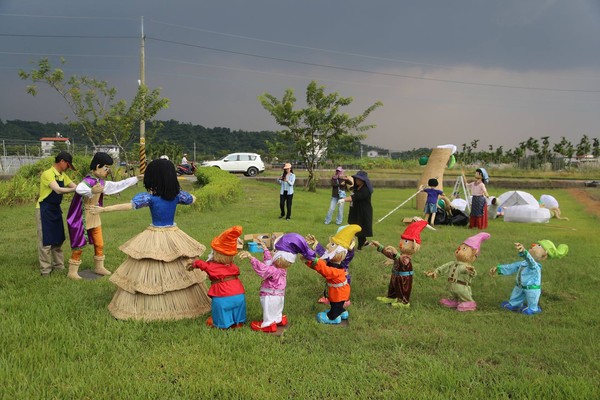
(252, 171)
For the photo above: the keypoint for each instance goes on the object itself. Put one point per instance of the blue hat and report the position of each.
(363, 176)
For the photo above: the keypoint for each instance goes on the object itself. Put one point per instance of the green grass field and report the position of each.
(58, 340)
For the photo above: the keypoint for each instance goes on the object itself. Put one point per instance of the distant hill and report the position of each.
(208, 142)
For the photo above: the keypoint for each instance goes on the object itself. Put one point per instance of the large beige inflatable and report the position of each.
(436, 165)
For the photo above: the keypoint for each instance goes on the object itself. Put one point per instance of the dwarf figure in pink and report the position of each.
(460, 273)
(402, 271)
(273, 270)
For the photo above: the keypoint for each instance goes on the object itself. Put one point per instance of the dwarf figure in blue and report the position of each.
(526, 294)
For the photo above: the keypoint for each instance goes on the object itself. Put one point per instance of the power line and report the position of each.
(69, 36)
(69, 17)
(341, 68)
(459, 82)
(300, 46)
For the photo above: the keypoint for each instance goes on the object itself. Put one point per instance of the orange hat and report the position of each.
(226, 242)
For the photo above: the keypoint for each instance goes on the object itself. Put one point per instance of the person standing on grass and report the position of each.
(48, 214)
(479, 210)
(361, 210)
(339, 186)
(433, 194)
(286, 191)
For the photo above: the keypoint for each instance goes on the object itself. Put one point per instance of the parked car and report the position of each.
(250, 164)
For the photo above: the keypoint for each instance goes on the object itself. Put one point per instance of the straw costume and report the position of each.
(85, 227)
(528, 288)
(153, 283)
(401, 279)
(273, 270)
(228, 307)
(329, 266)
(320, 250)
(460, 273)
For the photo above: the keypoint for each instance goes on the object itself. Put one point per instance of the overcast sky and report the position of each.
(446, 71)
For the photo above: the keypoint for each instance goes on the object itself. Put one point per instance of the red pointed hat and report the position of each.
(226, 242)
(413, 231)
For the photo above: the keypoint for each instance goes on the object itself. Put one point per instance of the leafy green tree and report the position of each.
(545, 152)
(103, 118)
(596, 147)
(314, 130)
(584, 147)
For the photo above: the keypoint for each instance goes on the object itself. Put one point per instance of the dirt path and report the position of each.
(590, 199)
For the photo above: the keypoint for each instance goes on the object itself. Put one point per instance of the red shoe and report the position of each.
(240, 325)
(209, 322)
(323, 300)
(283, 321)
(256, 326)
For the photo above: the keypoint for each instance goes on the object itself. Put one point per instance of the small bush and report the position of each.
(217, 188)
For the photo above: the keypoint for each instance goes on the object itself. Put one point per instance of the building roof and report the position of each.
(54, 139)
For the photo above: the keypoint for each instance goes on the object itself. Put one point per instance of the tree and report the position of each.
(545, 148)
(93, 103)
(314, 130)
(596, 148)
(584, 147)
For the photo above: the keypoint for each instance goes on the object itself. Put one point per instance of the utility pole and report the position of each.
(142, 84)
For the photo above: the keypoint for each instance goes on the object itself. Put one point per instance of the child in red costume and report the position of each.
(228, 306)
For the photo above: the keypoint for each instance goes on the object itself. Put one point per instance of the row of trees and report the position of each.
(535, 151)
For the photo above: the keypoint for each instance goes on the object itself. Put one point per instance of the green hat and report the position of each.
(553, 251)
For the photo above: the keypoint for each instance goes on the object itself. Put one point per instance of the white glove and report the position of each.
(341, 201)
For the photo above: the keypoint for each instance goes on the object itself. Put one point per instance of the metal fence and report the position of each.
(9, 165)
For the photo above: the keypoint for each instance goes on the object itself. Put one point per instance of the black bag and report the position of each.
(458, 218)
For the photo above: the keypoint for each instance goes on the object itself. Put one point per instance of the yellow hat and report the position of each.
(345, 236)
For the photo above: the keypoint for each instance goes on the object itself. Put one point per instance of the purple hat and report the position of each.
(296, 244)
(363, 176)
(474, 241)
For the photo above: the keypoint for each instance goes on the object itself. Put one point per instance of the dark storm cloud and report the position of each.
(446, 71)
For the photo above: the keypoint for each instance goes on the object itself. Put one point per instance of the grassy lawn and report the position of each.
(58, 340)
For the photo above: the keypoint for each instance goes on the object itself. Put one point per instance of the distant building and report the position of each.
(112, 150)
(372, 154)
(47, 144)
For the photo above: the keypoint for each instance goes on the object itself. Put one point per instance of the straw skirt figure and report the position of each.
(153, 283)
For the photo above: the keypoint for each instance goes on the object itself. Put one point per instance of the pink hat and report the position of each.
(413, 231)
(474, 241)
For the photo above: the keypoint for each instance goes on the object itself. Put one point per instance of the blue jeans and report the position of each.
(340, 213)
